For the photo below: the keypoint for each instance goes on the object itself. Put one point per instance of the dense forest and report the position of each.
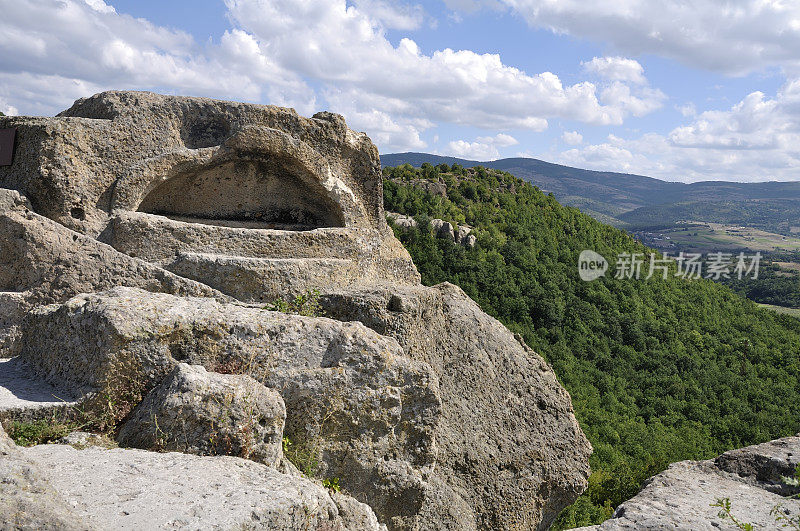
(659, 370)
(778, 281)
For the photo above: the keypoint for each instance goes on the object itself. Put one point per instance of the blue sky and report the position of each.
(656, 87)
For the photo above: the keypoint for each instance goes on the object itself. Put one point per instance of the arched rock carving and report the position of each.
(260, 177)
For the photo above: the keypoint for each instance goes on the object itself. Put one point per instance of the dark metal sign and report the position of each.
(7, 137)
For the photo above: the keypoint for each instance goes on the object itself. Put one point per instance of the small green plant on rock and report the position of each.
(306, 304)
(332, 484)
(121, 389)
(303, 455)
(725, 513)
(31, 433)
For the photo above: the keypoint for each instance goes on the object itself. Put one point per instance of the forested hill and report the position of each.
(608, 196)
(659, 370)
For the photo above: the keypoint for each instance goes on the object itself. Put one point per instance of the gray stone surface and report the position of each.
(136, 489)
(404, 222)
(443, 229)
(356, 405)
(179, 245)
(51, 263)
(198, 412)
(24, 395)
(27, 500)
(681, 496)
(440, 228)
(508, 440)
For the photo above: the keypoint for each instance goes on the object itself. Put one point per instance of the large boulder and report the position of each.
(43, 262)
(136, 489)
(194, 411)
(357, 408)
(686, 495)
(509, 443)
(201, 163)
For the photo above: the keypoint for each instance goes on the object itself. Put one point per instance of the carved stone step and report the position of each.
(264, 279)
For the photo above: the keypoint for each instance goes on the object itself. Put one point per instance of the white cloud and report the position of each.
(757, 139)
(499, 140)
(484, 148)
(734, 37)
(472, 150)
(277, 50)
(616, 69)
(51, 48)
(346, 49)
(687, 110)
(573, 138)
(393, 15)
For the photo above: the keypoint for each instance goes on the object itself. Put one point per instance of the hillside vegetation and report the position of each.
(659, 370)
(637, 202)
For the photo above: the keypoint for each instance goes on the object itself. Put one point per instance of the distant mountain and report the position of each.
(626, 200)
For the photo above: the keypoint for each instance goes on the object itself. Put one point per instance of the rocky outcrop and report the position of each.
(357, 408)
(440, 228)
(508, 441)
(197, 412)
(141, 234)
(684, 495)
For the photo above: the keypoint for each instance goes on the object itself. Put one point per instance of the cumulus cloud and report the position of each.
(53, 51)
(484, 148)
(731, 37)
(572, 138)
(616, 69)
(499, 140)
(757, 139)
(311, 54)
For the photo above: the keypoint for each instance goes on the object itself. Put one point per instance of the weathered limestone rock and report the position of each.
(257, 265)
(194, 411)
(440, 228)
(209, 163)
(681, 497)
(135, 489)
(50, 263)
(404, 222)
(443, 229)
(508, 440)
(464, 236)
(432, 413)
(356, 406)
(27, 500)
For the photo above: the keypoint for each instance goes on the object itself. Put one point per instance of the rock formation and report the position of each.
(141, 237)
(440, 228)
(684, 495)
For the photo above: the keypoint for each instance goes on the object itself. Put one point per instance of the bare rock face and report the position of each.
(139, 232)
(508, 441)
(682, 496)
(197, 412)
(205, 163)
(357, 408)
(135, 489)
(27, 500)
